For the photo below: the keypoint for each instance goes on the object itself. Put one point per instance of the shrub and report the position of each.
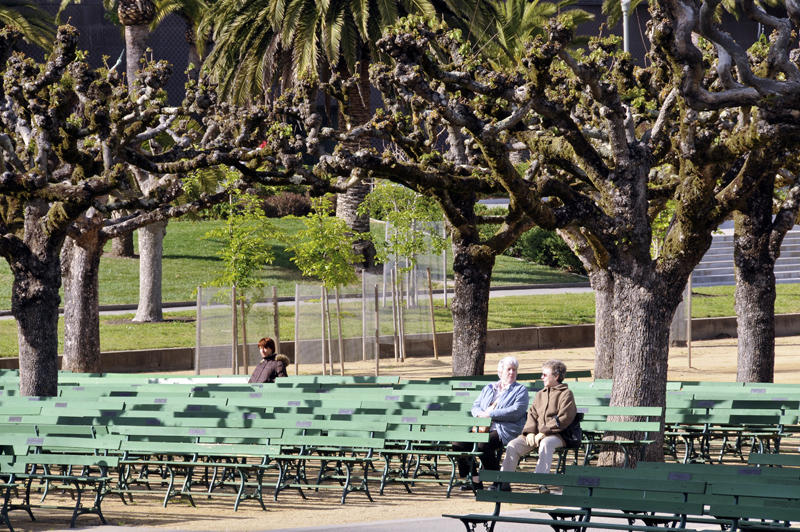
(286, 204)
(546, 247)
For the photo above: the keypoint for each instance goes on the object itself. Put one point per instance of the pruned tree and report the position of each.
(759, 228)
(611, 144)
(68, 133)
(768, 82)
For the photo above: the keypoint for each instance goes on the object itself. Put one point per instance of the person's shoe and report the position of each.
(500, 486)
(471, 487)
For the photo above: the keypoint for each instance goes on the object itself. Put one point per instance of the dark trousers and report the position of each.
(489, 454)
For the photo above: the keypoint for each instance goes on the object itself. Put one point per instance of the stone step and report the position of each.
(729, 279)
(717, 268)
(780, 266)
(727, 247)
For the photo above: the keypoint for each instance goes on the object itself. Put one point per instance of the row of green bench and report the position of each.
(345, 449)
(651, 497)
(694, 424)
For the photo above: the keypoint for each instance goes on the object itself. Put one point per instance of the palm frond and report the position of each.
(37, 26)
(306, 43)
(360, 11)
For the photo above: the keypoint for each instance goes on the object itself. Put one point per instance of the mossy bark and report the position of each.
(34, 304)
(755, 287)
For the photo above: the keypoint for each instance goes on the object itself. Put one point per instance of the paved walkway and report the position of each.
(404, 525)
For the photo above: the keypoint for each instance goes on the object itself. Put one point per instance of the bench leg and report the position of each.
(283, 483)
(4, 510)
(348, 470)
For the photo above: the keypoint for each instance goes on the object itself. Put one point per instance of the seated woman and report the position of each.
(504, 402)
(271, 365)
(552, 410)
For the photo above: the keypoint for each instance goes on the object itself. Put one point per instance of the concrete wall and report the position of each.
(151, 360)
(498, 340)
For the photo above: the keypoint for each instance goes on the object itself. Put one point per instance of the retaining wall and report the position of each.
(498, 340)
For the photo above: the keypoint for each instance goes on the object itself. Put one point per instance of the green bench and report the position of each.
(763, 506)
(627, 437)
(623, 500)
(173, 459)
(336, 456)
(731, 428)
(9, 469)
(421, 445)
(773, 459)
(52, 461)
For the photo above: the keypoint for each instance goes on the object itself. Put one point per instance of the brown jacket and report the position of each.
(549, 403)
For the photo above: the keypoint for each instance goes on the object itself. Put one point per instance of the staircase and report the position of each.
(716, 267)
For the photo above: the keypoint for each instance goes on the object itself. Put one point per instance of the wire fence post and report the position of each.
(198, 330)
(276, 319)
(235, 329)
(339, 331)
(364, 317)
(395, 341)
(377, 333)
(322, 316)
(330, 331)
(244, 340)
(433, 318)
(296, 328)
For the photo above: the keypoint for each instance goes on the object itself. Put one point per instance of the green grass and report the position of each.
(119, 333)
(190, 260)
(713, 301)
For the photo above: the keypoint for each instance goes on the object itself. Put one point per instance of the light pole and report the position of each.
(626, 5)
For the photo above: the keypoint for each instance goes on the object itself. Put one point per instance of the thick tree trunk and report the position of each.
(604, 330)
(34, 304)
(81, 268)
(122, 246)
(472, 270)
(755, 287)
(642, 313)
(35, 307)
(151, 245)
(596, 264)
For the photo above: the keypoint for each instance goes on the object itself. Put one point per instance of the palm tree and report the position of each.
(260, 44)
(37, 26)
(518, 23)
(191, 11)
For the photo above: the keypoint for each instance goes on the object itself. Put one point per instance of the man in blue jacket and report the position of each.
(505, 403)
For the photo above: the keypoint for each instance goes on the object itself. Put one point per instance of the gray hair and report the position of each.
(557, 367)
(507, 361)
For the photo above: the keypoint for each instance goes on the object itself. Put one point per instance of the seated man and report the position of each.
(504, 402)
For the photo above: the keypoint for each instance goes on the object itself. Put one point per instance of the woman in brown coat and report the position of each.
(552, 410)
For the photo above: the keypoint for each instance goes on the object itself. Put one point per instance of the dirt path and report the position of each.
(711, 360)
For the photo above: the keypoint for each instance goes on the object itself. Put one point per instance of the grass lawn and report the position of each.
(117, 332)
(190, 260)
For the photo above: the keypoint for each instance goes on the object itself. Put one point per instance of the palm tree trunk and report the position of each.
(358, 112)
